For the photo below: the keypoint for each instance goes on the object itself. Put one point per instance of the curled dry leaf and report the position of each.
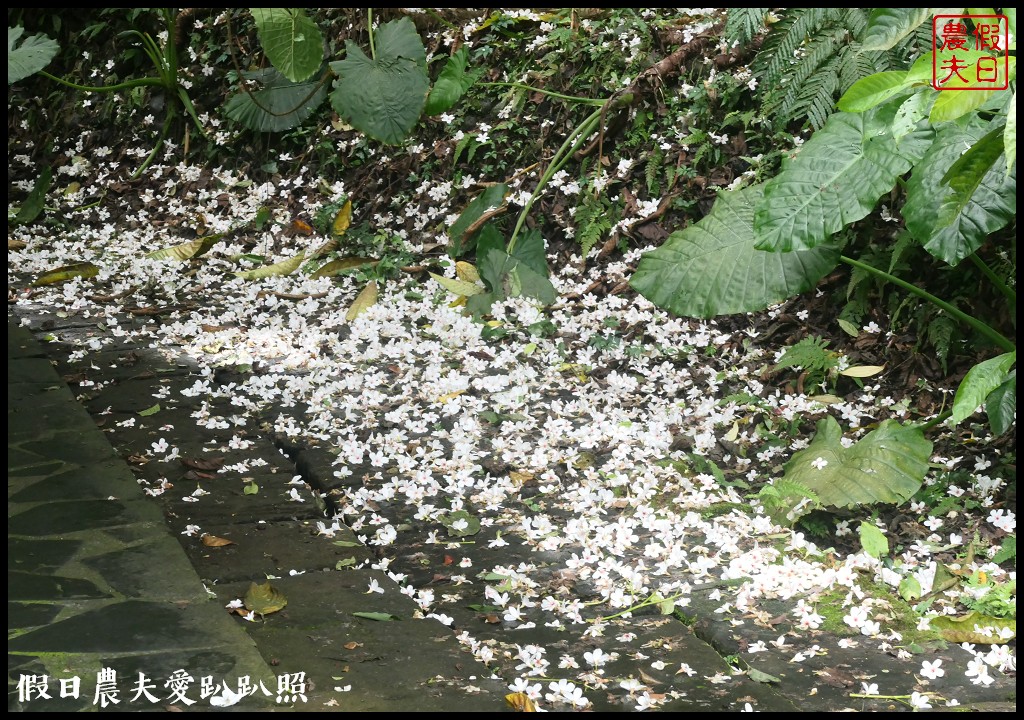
(214, 541)
(285, 267)
(352, 645)
(203, 463)
(67, 272)
(346, 263)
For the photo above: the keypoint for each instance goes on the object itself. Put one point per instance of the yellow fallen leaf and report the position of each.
(733, 433)
(285, 267)
(826, 399)
(366, 299)
(519, 478)
(861, 371)
(214, 541)
(342, 219)
(264, 599)
(448, 396)
(520, 702)
(466, 271)
(186, 251)
(67, 272)
(459, 287)
(346, 263)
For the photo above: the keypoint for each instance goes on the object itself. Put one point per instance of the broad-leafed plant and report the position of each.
(951, 157)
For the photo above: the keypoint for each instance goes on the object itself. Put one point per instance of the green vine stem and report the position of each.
(164, 132)
(575, 139)
(642, 604)
(936, 421)
(126, 85)
(986, 330)
(369, 31)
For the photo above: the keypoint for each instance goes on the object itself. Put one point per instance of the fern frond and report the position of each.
(811, 354)
(793, 489)
(742, 24)
(783, 40)
(591, 223)
(856, 21)
(814, 81)
(811, 56)
(781, 499)
(651, 172)
(904, 243)
(942, 333)
(858, 64)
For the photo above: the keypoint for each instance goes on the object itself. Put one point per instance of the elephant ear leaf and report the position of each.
(836, 179)
(30, 56)
(712, 268)
(383, 96)
(291, 40)
(887, 465)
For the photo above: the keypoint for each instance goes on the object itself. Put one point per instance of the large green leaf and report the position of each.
(505, 275)
(968, 629)
(952, 104)
(279, 105)
(31, 56)
(383, 96)
(452, 84)
(1001, 405)
(35, 203)
(530, 250)
(291, 40)
(887, 465)
(911, 112)
(463, 241)
(979, 383)
(887, 26)
(508, 276)
(873, 90)
(952, 220)
(835, 180)
(1010, 134)
(711, 268)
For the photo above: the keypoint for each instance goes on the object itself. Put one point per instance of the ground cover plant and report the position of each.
(447, 302)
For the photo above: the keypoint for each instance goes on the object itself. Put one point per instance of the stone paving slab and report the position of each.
(95, 581)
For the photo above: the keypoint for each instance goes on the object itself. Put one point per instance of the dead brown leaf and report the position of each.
(203, 463)
(214, 541)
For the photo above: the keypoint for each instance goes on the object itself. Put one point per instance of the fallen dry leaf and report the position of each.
(520, 702)
(214, 541)
(264, 599)
(203, 463)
